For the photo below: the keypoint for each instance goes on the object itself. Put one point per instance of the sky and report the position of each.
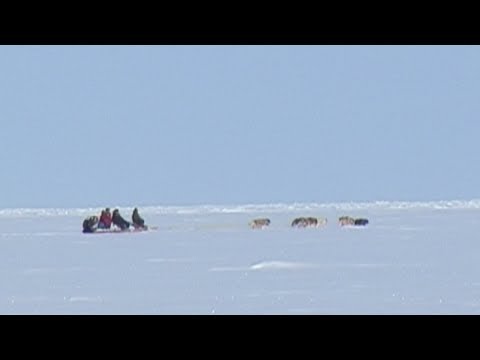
(179, 125)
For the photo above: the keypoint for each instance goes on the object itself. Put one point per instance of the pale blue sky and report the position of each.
(182, 125)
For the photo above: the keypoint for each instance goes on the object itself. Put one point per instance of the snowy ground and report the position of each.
(413, 258)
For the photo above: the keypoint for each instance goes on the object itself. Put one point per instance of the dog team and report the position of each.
(302, 222)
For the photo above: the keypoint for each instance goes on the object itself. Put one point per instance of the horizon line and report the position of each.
(250, 207)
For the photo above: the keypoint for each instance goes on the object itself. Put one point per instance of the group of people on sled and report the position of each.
(107, 220)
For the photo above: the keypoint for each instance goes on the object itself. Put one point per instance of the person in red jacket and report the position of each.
(105, 221)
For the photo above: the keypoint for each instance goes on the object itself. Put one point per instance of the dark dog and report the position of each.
(308, 222)
(361, 222)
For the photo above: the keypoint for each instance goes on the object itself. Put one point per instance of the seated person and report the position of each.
(90, 224)
(137, 221)
(105, 221)
(119, 221)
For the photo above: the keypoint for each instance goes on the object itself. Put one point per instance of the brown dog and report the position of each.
(346, 220)
(259, 223)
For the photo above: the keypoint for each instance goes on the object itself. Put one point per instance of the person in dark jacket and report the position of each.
(119, 221)
(137, 221)
(90, 224)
